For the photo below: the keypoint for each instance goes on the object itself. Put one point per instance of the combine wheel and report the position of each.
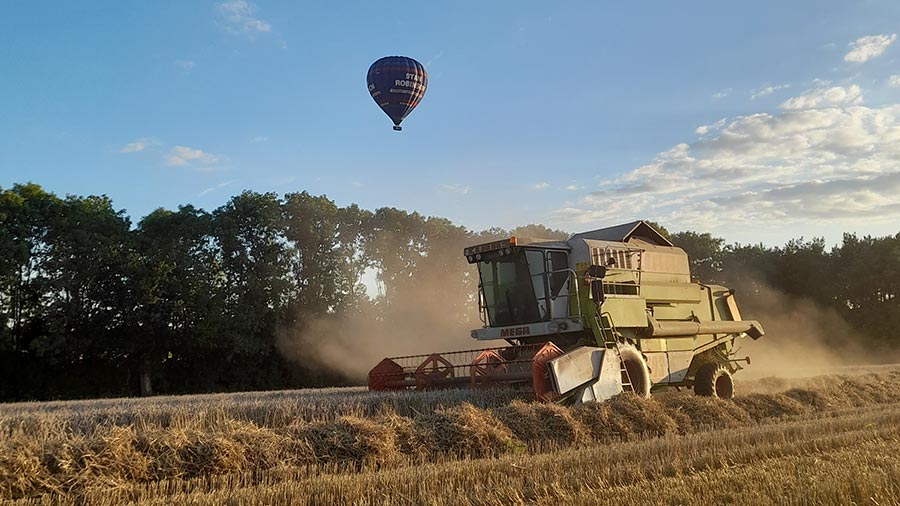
(635, 370)
(713, 380)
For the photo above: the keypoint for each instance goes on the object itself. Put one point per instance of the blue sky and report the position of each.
(758, 121)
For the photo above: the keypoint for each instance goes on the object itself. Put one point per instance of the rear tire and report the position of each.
(713, 380)
(638, 372)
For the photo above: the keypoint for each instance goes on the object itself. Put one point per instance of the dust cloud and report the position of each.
(802, 338)
(420, 320)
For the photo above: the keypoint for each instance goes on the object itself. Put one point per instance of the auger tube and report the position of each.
(692, 328)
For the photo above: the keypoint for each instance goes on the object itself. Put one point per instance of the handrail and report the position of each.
(482, 307)
(574, 280)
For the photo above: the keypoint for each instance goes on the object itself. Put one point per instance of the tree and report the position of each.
(86, 268)
(803, 269)
(539, 232)
(325, 261)
(394, 243)
(419, 260)
(866, 273)
(175, 290)
(659, 228)
(704, 253)
(255, 261)
(749, 269)
(26, 212)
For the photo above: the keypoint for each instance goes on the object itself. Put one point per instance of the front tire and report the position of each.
(636, 370)
(714, 380)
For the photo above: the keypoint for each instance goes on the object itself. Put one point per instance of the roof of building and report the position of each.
(624, 232)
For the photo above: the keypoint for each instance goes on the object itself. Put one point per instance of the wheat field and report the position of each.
(825, 440)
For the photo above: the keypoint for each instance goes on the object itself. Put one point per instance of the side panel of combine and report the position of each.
(626, 313)
(680, 351)
(716, 348)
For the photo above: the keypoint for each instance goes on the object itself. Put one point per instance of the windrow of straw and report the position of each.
(543, 423)
(465, 431)
(692, 413)
(67, 460)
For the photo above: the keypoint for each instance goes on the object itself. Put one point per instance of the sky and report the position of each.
(754, 121)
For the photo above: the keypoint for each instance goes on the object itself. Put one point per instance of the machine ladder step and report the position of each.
(609, 336)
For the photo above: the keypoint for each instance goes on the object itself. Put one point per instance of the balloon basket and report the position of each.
(397, 128)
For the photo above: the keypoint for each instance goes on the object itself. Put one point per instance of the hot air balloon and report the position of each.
(397, 84)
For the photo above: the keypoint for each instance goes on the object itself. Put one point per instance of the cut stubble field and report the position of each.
(825, 440)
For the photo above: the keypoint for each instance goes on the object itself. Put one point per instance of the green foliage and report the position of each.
(176, 291)
(324, 259)
(659, 228)
(539, 232)
(704, 251)
(194, 300)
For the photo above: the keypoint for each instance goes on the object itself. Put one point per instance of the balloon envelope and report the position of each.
(397, 84)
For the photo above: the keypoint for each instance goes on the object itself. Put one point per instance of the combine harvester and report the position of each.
(606, 311)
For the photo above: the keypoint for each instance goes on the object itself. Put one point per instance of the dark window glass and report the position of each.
(508, 291)
(559, 262)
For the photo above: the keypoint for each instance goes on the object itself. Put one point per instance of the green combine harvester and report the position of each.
(603, 312)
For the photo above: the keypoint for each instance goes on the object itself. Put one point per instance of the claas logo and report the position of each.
(514, 332)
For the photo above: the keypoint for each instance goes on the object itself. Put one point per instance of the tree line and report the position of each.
(188, 300)
(852, 286)
(191, 301)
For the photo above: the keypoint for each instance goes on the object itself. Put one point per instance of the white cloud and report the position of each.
(181, 156)
(138, 145)
(185, 65)
(239, 17)
(258, 139)
(705, 129)
(574, 187)
(825, 97)
(540, 186)
(838, 164)
(868, 47)
(217, 187)
(894, 81)
(456, 188)
(768, 90)
(722, 94)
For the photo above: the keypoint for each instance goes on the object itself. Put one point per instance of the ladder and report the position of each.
(609, 339)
